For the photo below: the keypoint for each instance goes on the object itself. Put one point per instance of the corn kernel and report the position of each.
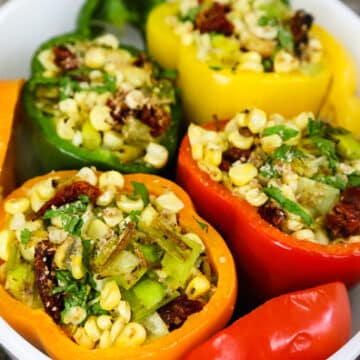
(105, 340)
(97, 229)
(197, 287)
(195, 238)
(242, 174)
(16, 206)
(213, 171)
(74, 315)
(135, 99)
(169, 201)
(77, 267)
(147, 216)
(108, 40)
(69, 107)
(7, 239)
(231, 125)
(257, 121)
(111, 179)
(127, 205)
(61, 253)
(100, 118)
(56, 235)
(213, 156)
(88, 175)
(64, 129)
(285, 62)
(251, 66)
(110, 296)
(270, 143)
(106, 197)
(104, 322)
(45, 189)
(113, 140)
(47, 60)
(240, 141)
(322, 238)
(124, 311)
(305, 234)
(91, 329)
(133, 334)
(17, 222)
(242, 119)
(116, 329)
(112, 216)
(77, 140)
(302, 120)
(156, 155)
(197, 151)
(83, 339)
(256, 197)
(135, 76)
(95, 58)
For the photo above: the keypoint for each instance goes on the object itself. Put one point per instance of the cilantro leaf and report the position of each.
(25, 236)
(141, 190)
(326, 148)
(268, 170)
(288, 153)
(284, 132)
(287, 204)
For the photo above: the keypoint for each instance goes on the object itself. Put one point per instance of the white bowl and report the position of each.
(25, 24)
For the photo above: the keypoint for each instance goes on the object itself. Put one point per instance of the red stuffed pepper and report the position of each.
(309, 324)
(284, 192)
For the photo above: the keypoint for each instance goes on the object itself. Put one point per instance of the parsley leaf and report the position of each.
(268, 170)
(326, 148)
(141, 190)
(288, 153)
(25, 236)
(284, 132)
(354, 180)
(287, 204)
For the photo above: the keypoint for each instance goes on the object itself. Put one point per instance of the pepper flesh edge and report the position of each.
(36, 324)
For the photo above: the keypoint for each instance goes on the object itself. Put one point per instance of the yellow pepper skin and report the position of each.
(342, 106)
(207, 92)
(163, 44)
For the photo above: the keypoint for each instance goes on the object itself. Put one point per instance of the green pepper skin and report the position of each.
(41, 150)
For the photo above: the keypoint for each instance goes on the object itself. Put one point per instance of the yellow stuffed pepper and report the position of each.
(236, 54)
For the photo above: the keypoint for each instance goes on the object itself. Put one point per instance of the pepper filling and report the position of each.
(101, 96)
(302, 175)
(247, 35)
(112, 266)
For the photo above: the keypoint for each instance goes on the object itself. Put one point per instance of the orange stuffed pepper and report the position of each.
(112, 267)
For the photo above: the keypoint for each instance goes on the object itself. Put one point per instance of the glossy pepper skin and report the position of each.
(9, 95)
(49, 151)
(274, 262)
(36, 325)
(309, 324)
(207, 92)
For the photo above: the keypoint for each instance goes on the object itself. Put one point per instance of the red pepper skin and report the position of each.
(274, 262)
(310, 324)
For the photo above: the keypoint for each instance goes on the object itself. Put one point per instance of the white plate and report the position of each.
(25, 24)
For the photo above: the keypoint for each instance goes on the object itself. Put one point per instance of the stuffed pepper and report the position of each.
(104, 261)
(9, 94)
(285, 192)
(93, 102)
(308, 324)
(234, 54)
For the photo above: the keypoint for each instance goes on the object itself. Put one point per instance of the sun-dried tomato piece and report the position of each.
(156, 118)
(119, 110)
(140, 60)
(233, 154)
(300, 25)
(65, 59)
(175, 313)
(46, 281)
(344, 219)
(214, 20)
(70, 193)
(272, 214)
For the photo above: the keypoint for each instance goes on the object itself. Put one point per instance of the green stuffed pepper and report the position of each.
(94, 102)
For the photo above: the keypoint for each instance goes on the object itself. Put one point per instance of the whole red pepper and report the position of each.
(310, 324)
(274, 262)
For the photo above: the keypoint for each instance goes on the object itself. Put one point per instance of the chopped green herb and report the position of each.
(288, 153)
(284, 132)
(203, 226)
(326, 148)
(25, 236)
(134, 216)
(332, 181)
(286, 40)
(268, 64)
(191, 15)
(215, 67)
(316, 128)
(354, 180)
(268, 170)
(169, 74)
(267, 21)
(141, 190)
(288, 204)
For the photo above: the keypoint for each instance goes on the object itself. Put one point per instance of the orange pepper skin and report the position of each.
(40, 329)
(9, 94)
(309, 324)
(274, 262)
